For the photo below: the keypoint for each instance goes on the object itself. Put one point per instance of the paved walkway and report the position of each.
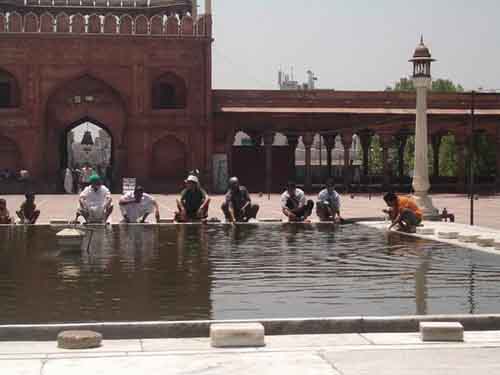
(332, 354)
(487, 209)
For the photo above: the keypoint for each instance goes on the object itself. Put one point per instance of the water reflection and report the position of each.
(242, 271)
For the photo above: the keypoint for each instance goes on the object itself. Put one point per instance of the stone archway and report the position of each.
(81, 99)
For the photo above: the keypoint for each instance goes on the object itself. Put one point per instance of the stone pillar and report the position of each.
(385, 143)
(497, 151)
(308, 139)
(366, 140)
(293, 141)
(208, 6)
(421, 184)
(268, 145)
(346, 144)
(460, 150)
(329, 145)
(436, 144)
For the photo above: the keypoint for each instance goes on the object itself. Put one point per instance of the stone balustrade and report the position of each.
(141, 24)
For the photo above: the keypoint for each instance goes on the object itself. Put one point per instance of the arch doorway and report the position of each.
(88, 145)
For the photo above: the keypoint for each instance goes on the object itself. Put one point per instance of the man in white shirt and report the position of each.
(95, 202)
(328, 205)
(136, 206)
(294, 203)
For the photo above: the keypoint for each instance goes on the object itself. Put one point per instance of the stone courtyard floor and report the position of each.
(487, 208)
(329, 354)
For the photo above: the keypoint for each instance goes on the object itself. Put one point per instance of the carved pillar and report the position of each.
(460, 150)
(293, 141)
(347, 143)
(366, 140)
(330, 145)
(268, 145)
(385, 143)
(308, 139)
(436, 144)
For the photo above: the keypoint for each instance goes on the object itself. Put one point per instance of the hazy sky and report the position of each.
(354, 44)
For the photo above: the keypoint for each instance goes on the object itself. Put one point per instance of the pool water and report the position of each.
(249, 271)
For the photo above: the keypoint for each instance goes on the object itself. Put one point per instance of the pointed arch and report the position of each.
(31, 23)
(94, 24)
(46, 23)
(2, 23)
(172, 25)
(157, 25)
(62, 23)
(126, 24)
(110, 24)
(15, 23)
(77, 24)
(169, 92)
(141, 25)
(187, 26)
(10, 95)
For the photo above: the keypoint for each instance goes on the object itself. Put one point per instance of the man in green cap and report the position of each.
(95, 202)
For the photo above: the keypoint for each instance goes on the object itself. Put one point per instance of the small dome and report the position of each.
(422, 51)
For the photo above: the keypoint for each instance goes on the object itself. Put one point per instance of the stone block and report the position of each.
(79, 339)
(485, 241)
(166, 221)
(70, 238)
(441, 331)
(426, 231)
(58, 221)
(496, 244)
(448, 235)
(468, 238)
(237, 335)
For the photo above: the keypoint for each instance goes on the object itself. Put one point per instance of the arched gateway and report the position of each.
(81, 101)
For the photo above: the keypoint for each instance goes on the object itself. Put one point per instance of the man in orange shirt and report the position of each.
(403, 212)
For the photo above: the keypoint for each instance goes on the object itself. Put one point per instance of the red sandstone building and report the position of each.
(142, 71)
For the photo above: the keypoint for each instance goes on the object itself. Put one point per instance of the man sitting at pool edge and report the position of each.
(193, 203)
(328, 205)
(95, 204)
(238, 206)
(403, 212)
(294, 203)
(136, 206)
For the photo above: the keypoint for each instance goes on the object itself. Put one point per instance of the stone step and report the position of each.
(237, 335)
(270, 220)
(448, 235)
(426, 231)
(485, 241)
(441, 331)
(59, 221)
(469, 238)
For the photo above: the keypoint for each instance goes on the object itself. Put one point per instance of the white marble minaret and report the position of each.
(422, 80)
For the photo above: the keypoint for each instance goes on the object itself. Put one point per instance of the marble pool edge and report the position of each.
(200, 328)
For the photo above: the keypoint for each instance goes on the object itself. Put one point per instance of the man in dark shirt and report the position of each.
(193, 203)
(237, 205)
(28, 214)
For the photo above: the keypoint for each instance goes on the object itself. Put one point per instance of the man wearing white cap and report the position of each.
(193, 203)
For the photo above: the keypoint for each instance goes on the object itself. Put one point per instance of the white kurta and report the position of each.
(136, 210)
(68, 181)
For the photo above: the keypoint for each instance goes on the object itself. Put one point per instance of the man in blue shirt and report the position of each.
(328, 205)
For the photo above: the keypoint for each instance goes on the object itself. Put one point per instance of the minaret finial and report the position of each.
(421, 38)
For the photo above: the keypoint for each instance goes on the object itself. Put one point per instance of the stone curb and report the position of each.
(200, 328)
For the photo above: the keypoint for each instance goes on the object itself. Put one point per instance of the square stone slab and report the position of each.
(237, 335)
(441, 331)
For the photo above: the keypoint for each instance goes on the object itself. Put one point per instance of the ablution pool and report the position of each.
(186, 272)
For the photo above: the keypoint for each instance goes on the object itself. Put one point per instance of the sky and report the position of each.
(353, 44)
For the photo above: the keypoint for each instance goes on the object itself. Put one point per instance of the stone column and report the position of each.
(293, 141)
(436, 144)
(366, 140)
(329, 145)
(460, 150)
(385, 143)
(346, 144)
(308, 139)
(497, 150)
(421, 184)
(268, 145)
